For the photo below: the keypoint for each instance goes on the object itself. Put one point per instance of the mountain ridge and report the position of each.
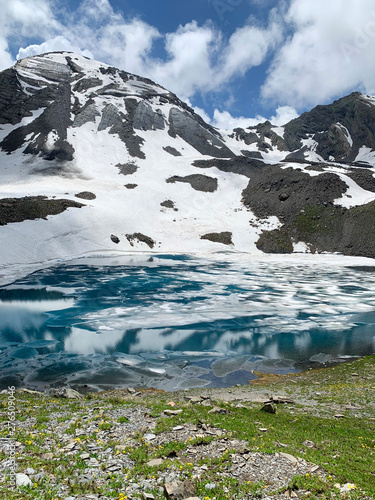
(153, 168)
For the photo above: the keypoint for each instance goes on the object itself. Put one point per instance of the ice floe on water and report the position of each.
(175, 321)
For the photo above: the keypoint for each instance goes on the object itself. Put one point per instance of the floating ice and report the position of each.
(182, 321)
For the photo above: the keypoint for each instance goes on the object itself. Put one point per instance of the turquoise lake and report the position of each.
(176, 322)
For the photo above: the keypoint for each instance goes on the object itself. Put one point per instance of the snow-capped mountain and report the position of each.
(95, 160)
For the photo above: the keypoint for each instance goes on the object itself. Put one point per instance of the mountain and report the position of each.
(94, 159)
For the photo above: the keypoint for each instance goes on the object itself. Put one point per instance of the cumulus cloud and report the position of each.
(329, 53)
(33, 18)
(224, 120)
(248, 47)
(197, 58)
(54, 44)
(318, 50)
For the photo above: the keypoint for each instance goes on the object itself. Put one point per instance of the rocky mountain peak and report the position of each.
(150, 175)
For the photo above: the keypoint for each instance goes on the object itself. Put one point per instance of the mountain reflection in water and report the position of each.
(176, 322)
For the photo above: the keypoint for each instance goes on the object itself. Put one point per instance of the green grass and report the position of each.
(343, 447)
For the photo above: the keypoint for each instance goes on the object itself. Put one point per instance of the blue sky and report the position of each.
(237, 61)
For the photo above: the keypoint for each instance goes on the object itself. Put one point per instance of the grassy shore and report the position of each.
(324, 418)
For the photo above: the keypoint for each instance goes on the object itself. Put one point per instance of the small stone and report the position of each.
(308, 444)
(120, 447)
(93, 462)
(70, 446)
(289, 457)
(113, 468)
(339, 415)
(178, 428)
(216, 409)
(39, 477)
(23, 480)
(283, 196)
(269, 408)
(179, 491)
(131, 390)
(172, 412)
(210, 486)
(171, 403)
(315, 468)
(263, 429)
(149, 437)
(69, 393)
(84, 456)
(194, 400)
(148, 496)
(115, 239)
(47, 456)
(155, 462)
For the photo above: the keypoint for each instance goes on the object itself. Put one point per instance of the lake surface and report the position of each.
(176, 322)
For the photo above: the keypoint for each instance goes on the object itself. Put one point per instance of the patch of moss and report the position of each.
(276, 241)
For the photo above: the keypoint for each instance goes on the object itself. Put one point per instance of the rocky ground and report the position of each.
(280, 437)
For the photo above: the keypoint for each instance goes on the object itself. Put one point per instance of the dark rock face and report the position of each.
(55, 119)
(86, 114)
(224, 237)
(146, 119)
(184, 125)
(131, 186)
(258, 135)
(31, 208)
(115, 239)
(197, 181)
(140, 238)
(325, 125)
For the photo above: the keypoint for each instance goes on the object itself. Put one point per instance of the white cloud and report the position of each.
(57, 43)
(284, 114)
(33, 18)
(329, 53)
(190, 52)
(197, 58)
(248, 47)
(328, 50)
(224, 120)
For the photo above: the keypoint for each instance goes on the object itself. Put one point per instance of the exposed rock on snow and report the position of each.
(198, 182)
(31, 208)
(69, 125)
(224, 237)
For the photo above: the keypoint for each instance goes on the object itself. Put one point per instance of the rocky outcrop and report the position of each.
(197, 181)
(140, 238)
(32, 207)
(224, 237)
(331, 125)
(203, 140)
(146, 119)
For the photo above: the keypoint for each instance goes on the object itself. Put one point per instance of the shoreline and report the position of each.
(307, 435)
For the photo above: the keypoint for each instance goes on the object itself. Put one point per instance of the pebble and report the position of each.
(155, 462)
(23, 480)
(149, 437)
